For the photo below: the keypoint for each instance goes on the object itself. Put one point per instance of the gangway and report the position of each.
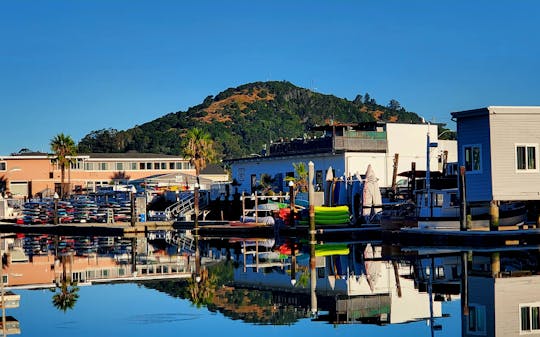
(185, 207)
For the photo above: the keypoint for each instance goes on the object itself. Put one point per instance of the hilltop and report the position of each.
(242, 119)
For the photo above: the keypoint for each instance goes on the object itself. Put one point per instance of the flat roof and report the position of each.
(494, 109)
(123, 155)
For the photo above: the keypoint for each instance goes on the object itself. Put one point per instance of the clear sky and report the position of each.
(78, 66)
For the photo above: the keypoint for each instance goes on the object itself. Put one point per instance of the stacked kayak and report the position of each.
(331, 249)
(335, 215)
(329, 215)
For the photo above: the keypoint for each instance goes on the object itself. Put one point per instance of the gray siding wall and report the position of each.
(509, 294)
(475, 131)
(507, 130)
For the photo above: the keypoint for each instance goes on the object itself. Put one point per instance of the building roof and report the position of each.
(213, 169)
(490, 110)
(129, 154)
(95, 155)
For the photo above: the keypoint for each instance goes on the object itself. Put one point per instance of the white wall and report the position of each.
(274, 166)
(408, 140)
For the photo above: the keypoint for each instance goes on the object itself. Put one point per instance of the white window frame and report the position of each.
(472, 147)
(529, 306)
(480, 317)
(526, 169)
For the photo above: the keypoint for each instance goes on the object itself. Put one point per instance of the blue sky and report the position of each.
(78, 66)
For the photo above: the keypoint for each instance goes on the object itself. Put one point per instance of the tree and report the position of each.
(69, 292)
(121, 177)
(300, 178)
(64, 152)
(394, 105)
(358, 99)
(198, 147)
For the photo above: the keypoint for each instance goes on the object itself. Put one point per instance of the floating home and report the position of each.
(498, 147)
(347, 149)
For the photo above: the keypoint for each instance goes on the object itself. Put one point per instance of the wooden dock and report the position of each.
(89, 229)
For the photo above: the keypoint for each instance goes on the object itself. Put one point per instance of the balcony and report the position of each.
(358, 143)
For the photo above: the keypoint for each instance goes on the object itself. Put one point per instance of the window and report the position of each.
(119, 166)
(3, 166)
(133, 166)
(526, 157)
(103, 166)
(530, 317)
(473, 155)
(477, 319)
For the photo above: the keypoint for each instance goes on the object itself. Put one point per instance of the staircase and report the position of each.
(184, 242)
(185, 207)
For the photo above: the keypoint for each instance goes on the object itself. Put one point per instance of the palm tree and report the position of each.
(120, 177)
(201, 291)
(198, 147)
(64, 150)
(300, 179)
(69, 292)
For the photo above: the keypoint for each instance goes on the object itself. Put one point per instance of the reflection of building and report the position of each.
(10, 301)
(43, 269)
(12, 326)
(502, 295)
(354, 284)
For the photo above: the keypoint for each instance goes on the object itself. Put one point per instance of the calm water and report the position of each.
(256, 287)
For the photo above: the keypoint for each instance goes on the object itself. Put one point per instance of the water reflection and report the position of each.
(265, 281)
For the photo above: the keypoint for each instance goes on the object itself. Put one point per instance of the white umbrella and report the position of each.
(328, 193)
(372, 199)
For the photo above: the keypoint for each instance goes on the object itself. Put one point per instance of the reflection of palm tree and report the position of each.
(69, 292)
(202, 292)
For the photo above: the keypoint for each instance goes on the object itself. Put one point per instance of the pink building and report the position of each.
(29, 174)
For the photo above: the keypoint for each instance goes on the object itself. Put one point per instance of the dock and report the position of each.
(326, 233)
(124, 229)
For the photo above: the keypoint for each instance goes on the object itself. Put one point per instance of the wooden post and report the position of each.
(464, 285)
(291, 198)
(494, 215)
(495, 264)
(133, 213)
(312, 242)
(463, 221)
(413, 180)
(394, 174)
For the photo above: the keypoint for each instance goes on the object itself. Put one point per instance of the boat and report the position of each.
(443, 212)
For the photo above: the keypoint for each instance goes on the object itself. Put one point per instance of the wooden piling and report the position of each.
(312, 239)
(464, 222)
(493, 215)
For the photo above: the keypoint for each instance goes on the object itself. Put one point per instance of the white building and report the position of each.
(348, 149)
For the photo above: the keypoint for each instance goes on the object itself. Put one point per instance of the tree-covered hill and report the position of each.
(241, 120)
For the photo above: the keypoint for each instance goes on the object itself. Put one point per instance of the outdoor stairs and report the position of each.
(185, 207)
(184, 242)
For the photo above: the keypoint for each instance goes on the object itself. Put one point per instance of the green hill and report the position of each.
(241, 120)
